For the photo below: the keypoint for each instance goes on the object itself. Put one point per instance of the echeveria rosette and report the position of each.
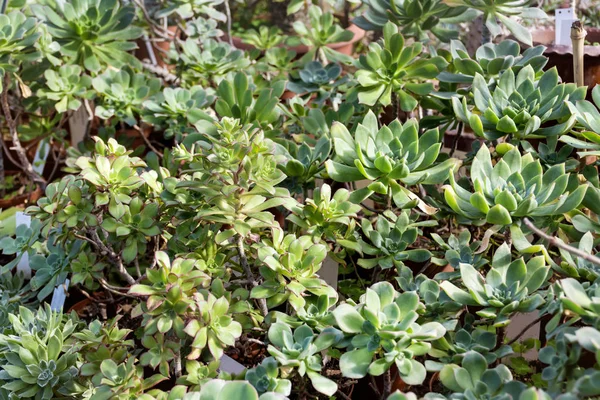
(415, 17)
(473, 380)
(384, 323)
(301, 350)
(265, 378)
(520, 105)
(93, 33)
(122, 93)
(514, 188)
(508, 287)
(504, 11)
(391, 68)
(491, 60)
(389, 157)
(588, 117)
(18, 38)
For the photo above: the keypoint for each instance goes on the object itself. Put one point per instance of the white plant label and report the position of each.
(231, 366)
(564, 18)
(41, 155)
(23, 266)
(78, 123)
(59, 296)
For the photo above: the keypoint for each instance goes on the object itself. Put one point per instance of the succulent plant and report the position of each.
(578, 267)
(319, 79)
(588, 117)
(519, 105)
(265, 378)
(384, 324)
(219, 389)
(322, 31)
(454, 347)
(393, 69)
(491, 61)
(304, 163)
(203, 28)
(504, 11)
(66, 87)
(92, 33)
(209, 64)
(515, 187)
(473, 380)
(301, 350)
(416, 18)
(40, 363)
(192, 8)
(388, 157)
(14, 293)
(263, 38)
(122, 94)
(508, 287)
(211, 326)
(582, 302)
(290, 267)
(325, 216)
(458, 249)
(19, 37)
(388, 241)
(177, 109)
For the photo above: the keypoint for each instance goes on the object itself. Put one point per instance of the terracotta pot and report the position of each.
(561, 57)
(25, 199)
(343, 47)
(160, 47)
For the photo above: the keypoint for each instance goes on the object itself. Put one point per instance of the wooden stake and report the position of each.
(577, 38)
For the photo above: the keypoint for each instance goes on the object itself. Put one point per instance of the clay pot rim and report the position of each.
(591, 51)
(21, 199)
(358, 32)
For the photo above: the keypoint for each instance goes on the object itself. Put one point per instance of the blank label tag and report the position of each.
(23, 266)
(41, 154)
(231, 366)
(329, 272)
(59, 296)
(564, 18)
(78, 124)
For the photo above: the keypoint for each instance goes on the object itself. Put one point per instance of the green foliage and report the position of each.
(66, 87)
(319, 79)
(93, 34)
(519, 105)
(122, 94)
(18, 39)
(388, 157)
(394, 70)
(515, 187)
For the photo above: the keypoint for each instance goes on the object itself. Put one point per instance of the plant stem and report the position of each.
(395, 106)
(262, 303)
(228, 12)
(12, 127)
(387, 384)
(527, 327)
(559, 243)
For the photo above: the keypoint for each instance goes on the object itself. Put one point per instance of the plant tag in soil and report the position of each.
(59, 296)
(78, 124)
(41, 155)
(329, 272)
(231, 366)
(564, 18)
(23, 266)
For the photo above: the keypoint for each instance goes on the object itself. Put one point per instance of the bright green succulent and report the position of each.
(211, 326)
(170, 294)
(304, 163)
(265, 378)
(122, 381)
(66, 87)
(384, 323)
(264, 38)
(36, 361)
(209, 64)
(219, 389)
(316, 313)
(581, 301)
(176, 110)
(578, 267)
(301, 350)
(514, 188)
(519, 105)
(92, 33)
(491, 61)
(415, 17)
(504, 11)
(389, 157)
(588, 117)
(14, 293)
(23, 242)
(455, 346)
(290, 267)
(52, 268)
(388, 241)
(192, 8)
(473, 380)
(122, 94)
(458, 249)
(322, 31)
(508, 287)
(394, 70)
(324, 216)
